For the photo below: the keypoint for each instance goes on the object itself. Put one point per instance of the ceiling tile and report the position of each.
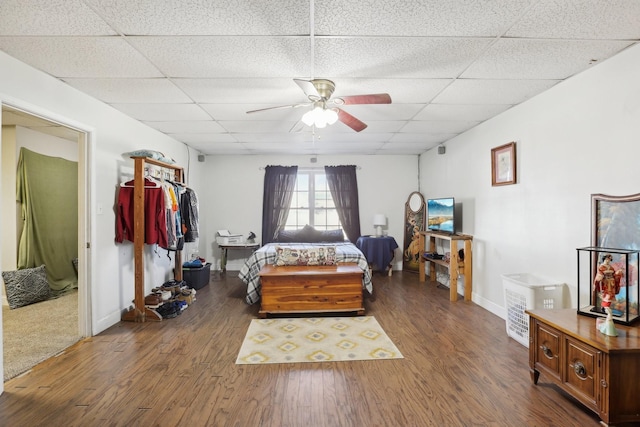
(438, 126)
(458, 18)
(50, 18)
(406, 148)
(367, 135)
(187, 126)
(580, 19)
(257, 126)
(202, 137)
(163, 112)
(236, 112)
(492, 91)
(422, 138)
(220, 148)
(110, 57)
(478, 112)
(211, 17)
(213, 138)
(272, 91)
(227, 56)
(395, 57)
(383, 111)
(404, 90)
(529, 59)
(274, 137)
(386, 126)
(131, 90)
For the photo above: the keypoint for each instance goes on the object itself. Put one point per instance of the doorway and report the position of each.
(60, 129)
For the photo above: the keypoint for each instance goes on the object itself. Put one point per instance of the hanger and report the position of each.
(149, 183)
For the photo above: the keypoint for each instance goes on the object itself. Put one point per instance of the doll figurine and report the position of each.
(607, 283)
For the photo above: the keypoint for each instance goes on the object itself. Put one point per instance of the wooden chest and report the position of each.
(311, 289)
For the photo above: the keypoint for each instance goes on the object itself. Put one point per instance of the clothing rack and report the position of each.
(140, 313)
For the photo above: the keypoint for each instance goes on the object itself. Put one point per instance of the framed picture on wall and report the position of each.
(503, 164)
(614, 221)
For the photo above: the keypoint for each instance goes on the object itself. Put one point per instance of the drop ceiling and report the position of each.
(193, 68)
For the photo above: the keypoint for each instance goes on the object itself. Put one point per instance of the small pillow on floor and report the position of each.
(26, 286)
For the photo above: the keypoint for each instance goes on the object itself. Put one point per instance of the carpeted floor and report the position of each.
(33, 333)
(321, 339)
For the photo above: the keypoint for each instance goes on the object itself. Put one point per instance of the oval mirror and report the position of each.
(414, 216)
(415, 201)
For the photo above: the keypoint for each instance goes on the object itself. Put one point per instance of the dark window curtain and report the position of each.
(344, 190)
(279, 182)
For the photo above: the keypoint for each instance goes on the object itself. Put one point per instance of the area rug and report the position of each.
(318, 339)
(36, 332)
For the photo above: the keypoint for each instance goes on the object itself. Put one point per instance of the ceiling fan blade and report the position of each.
(374, 98)
(308, 88)
(351, 121)
(279, 107)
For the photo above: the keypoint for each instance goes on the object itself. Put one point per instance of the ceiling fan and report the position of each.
(326, 110)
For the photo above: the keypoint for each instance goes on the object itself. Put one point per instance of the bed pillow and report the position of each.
(287, 236)
(331, 236)
(26, 286)
(309, 234)
(310, 255)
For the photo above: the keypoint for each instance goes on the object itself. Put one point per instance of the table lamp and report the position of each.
(378, 221)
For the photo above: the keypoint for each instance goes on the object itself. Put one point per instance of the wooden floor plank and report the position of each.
(460, 368)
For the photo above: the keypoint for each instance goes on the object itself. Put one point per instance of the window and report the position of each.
(312, 203)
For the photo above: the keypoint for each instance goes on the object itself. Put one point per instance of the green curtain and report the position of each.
(47, 190)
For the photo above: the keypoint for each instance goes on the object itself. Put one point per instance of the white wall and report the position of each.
(577, 139)
(233, 197)
(112, 287)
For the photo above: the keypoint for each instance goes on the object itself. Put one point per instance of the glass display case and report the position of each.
(608, 277)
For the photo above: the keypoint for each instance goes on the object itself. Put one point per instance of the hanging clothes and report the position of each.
(154, 211)
(189, 209)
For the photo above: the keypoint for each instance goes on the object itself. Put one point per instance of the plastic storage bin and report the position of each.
(197, 278)
(525, 292)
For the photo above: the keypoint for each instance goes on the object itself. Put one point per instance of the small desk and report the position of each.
(379, 251)
(234, 246)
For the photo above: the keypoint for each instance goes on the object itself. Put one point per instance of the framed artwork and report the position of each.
(615, 234)
(503, 164)
(414, 223)
(614, 221)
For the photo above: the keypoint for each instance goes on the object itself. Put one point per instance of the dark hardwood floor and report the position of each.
(459, 369)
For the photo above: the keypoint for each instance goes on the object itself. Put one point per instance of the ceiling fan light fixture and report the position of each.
(320, 117)
(331, 115)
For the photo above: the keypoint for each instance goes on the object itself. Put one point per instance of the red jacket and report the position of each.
(155, 215)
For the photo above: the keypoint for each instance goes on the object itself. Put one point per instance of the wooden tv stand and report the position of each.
(600, 371)
(455, 265)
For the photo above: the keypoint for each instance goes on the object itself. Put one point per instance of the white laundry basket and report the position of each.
(525, 291)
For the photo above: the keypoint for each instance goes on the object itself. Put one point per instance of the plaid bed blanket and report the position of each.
(250, 271)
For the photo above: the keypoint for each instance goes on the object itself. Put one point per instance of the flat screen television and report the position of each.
(441, 214)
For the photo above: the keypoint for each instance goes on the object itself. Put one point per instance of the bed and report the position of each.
(345, 253)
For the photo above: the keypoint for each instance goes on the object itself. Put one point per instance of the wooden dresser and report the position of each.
(600, 371)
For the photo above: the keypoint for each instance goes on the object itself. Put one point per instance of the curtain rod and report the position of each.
(308, 167)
